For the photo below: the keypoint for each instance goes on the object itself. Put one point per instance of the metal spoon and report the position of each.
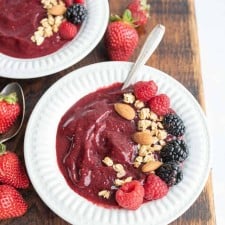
(148, 48)
(14, 87)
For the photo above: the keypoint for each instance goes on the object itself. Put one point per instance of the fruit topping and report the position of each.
(79, 1)
(175, 150)
(12, 203)
(160, 104)
(170, 172)
(9, 111)
(144, 91)
(130, 195)
(155, 188)
(67, 30)
(174, 125)
(76, 13)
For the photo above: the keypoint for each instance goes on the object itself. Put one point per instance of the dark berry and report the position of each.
(170, 172)
(76, 13)
(175, 150)
(174, 125)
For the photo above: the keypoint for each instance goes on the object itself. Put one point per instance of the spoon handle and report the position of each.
(148, 48)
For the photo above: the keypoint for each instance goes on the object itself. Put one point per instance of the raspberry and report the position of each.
(68, 3)
(67, 30)
(130, 195)
(79, 1)
(145, 90)
(155, 188)
(160, 104)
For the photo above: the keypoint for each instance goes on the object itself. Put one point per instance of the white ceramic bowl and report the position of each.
(40, 150)
(91, 32)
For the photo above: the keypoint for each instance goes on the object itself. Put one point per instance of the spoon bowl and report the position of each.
(13, 131)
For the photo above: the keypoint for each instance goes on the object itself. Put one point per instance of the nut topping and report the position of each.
(143, 137)
(125, 111)
(151, 166)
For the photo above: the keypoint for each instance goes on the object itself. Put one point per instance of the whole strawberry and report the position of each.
(12, 203)
(121, 38)
(140, 11)
(155, 188)
(11, 169)
(9, 111)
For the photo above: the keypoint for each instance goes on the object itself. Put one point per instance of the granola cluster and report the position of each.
(120, 174)
(50, 24)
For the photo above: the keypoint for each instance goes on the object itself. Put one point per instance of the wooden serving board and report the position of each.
(177, 55)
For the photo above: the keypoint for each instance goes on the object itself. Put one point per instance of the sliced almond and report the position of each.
(125, 111)
(151, 166)
(143, 137)
(57, 10)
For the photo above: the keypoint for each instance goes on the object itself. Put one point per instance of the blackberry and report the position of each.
(174, 125)
(170, 172)
(76, 13)
(175, 150)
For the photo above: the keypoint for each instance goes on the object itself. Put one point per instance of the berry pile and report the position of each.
(75, 15)
(161, 146)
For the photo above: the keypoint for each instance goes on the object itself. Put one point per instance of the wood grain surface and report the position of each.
(177, 55)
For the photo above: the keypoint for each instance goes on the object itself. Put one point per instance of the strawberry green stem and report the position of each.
(2, 149)
(126, 17)
(11, 98)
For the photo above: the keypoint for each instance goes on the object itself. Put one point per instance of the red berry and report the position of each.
(144, 90)
(160, 104)
(140, 11)
(121, 38)
(11, 170)
(67, 30)
(155, 188)
(79, 1)
(130, 195)
(68, 2)
(9, 111)
(12, 203)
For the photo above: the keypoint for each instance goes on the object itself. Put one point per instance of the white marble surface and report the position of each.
(211, 29)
